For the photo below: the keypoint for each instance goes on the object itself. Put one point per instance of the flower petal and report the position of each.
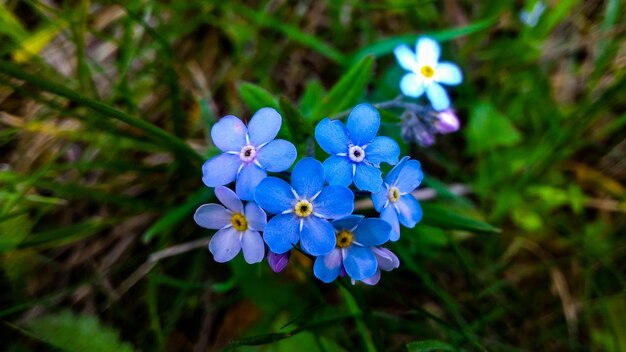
(347, 222)
(307, 177)
(372, 280)
(372, 232)
(437, 96)
(220, 170)
(256, 217)
(212, 216)
(406, 57)
(277, 155)
(392, 176)
(387, 261)
(229, 199)
(390, 215)
(334, 202)
(363, 124)
(332, 136)
(427, 51)
(379, 199)
(249, 177)
(229, 134)
(382, 150)
(317, 236)
(338, 170)
(225, 245)
(368, 178)
(409, 210)
(282, 232)
(252, 246)
(448, 73)
(327, 267)
(360, 262)
(409, 176)
(412, 85)
(264, 126)
(274, 195)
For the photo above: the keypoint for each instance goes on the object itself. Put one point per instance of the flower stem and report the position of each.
(357, 311)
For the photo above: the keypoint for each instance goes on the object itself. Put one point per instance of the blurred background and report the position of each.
(105, 112)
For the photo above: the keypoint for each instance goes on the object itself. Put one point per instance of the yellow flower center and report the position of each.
(239, 222)
(427, 71)
(393, 194)
(303, 208)
(344, 238)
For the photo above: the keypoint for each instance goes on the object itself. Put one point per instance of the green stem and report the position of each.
(354, 308)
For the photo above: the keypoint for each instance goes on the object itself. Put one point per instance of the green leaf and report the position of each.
(298, 126)
(347, 92)
(256, 97)
(65, 235)
(71, 332)
(314, 92)
(429, 345)
(437, 216)
(488, 129)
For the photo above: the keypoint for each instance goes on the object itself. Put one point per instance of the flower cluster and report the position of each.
(311, 209)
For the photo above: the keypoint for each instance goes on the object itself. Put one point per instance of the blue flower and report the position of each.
(303, 209)
(386, 260)
(355, 238)
(238, 227)
(248, 152)
(427, 72)
(356, 152)
(394, 202)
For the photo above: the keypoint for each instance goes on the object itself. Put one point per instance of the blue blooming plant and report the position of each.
(248, 152)
(386, 260)
(356, 152)
(426, 73)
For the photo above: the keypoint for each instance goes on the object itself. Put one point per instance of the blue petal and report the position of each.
(256, 217)
(277, 155)
(410, 176)
(372, 280)
(229, 199)
(406, 57)
(382, 150)
(307, 177)
(249, 177)
(212, 216)
(317, 236)
(338, 170)
(264, 126)
(409, 210)
(428, 52)
(332, 136)
(225, 245)
(334, 202)
(347, 222)
(368, 178)
(448, 73)
(327, 267)
(390, 215)
(412, 85)
(282, 232)
(229, 134)
(379, 199)
(220, 170)
(437, 96)
(372, 232)
(274, 195)
(363, 124)
(253, 247)
(360, 262)
(387, 261)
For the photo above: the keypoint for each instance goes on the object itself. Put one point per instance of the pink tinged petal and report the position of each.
(332, 136)
(256, 217)
(229, 199)
(229, 134)
(387, 261)
(249, 177)
(317, 236)
(448, 73)
(447, 122)
(409, 210)
(359, 262)
(220, 170)
(225, 245)
(363, 124)
(328, 267)
(264, 126)
(212, 216)
(277, 155)
(390, 215)
(437, 96)
(382, 149)
(428, 52)
(253, 247)
(277, 262)
(372, 280)
(406, 57)
(412, 85)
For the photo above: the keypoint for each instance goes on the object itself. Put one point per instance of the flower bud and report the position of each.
(278, 262)
(447, 122)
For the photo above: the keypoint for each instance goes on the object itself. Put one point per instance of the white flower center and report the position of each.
(247, 153)
(356, 153)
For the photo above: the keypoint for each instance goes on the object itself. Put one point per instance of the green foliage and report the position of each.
(429, 345)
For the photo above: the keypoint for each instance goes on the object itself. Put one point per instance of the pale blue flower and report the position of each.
(387, 261)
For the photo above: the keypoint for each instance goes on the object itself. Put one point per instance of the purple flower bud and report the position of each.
(447, 122)
(278, 262)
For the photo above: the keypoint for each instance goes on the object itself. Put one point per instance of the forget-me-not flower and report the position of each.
(387, 261)
(248, 152)
(303, 209)
(356, 152)
(238, 227)
(356, 238)
(395, 202)
(426, 72)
